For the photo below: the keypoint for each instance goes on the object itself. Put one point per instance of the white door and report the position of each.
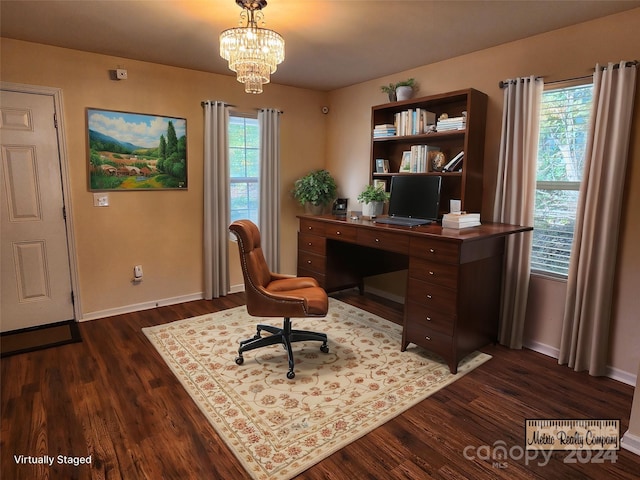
(36, 277)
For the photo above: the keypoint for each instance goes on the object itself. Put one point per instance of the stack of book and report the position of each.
(384, 130)
(451, 123)
(414, 121)
(419, 158)
(460, 220)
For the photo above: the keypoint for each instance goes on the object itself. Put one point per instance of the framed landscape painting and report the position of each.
(135, 151)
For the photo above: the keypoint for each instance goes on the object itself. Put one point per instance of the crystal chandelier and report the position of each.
(252, 52)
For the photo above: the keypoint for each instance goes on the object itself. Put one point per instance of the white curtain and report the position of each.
(216, 200)
(586, 324)
(515, 198)
(269, 217)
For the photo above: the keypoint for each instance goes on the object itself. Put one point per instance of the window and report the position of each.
(244, 167)
(564, 123)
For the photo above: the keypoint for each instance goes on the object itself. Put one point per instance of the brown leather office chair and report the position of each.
(275, 295)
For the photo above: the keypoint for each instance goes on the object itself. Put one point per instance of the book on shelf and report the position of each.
(451, 123)
(414, 121)
(455, 163)
(384, 130)
(419, 158)
(459, 220)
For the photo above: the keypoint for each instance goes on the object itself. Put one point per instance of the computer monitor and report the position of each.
(415, 196)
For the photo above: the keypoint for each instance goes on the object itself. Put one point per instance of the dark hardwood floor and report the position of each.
(112, 397)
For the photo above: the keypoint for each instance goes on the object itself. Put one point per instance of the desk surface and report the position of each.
(428, 231)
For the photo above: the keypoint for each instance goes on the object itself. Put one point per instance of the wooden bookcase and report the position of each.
(465, 185)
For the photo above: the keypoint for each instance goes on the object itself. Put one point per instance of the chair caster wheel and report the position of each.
(324, 349)
(239, 360)
(291, 375)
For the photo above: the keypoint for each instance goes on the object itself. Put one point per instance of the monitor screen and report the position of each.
(415, 196)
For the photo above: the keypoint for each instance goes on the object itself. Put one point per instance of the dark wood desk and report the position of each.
(452, 302)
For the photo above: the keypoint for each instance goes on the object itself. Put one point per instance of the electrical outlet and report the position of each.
(100, 199)
(137, 272)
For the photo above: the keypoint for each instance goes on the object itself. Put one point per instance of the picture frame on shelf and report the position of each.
(382, 165)
(380, 183)
(405, 165)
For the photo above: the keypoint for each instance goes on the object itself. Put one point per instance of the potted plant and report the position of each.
(372, 199)
(404, 89)
(315, 190)
(390, 90)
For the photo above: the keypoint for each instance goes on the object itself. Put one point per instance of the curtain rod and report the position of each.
(266, 108)
(509, 81)
(505, 83)
(204, 102)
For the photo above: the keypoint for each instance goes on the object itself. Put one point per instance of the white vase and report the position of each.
(404, 93)
(372, 209)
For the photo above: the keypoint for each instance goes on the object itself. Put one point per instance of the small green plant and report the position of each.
(317, 188)
(389, 89)
(372, 193)
(406, 83)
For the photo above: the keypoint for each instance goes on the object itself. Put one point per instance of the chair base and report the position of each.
(286, 336)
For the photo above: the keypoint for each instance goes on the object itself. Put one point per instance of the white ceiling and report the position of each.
(329, 43)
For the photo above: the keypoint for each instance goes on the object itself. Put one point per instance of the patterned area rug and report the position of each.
(278, 427)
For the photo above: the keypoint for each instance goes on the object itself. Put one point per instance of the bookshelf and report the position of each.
(390, 145)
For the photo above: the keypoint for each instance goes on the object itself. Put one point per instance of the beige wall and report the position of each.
(561, 54)
(161, 230)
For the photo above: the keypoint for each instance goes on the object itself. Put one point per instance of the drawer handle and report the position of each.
(428, 319)
(377, 239)
(429, 296)
(430, 272)
(338, 232)
(309, 243)
(428, 338)
(309, 262)
(431, 250)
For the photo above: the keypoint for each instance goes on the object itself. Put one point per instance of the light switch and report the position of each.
(100, 199)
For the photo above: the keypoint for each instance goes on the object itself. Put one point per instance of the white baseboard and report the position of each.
(542, 348)
(630, 442)
(237, 288)
(622, 376)
(136, 307)
(553, 352)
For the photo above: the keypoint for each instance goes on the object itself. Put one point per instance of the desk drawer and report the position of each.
(436, 250)
(321, 278)
(432, 296)
(312, 243)
(311, 226)
(445, 274)
(429, 318)
(311, 261)
(346, 233)
(391, 242)
(430, 339)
